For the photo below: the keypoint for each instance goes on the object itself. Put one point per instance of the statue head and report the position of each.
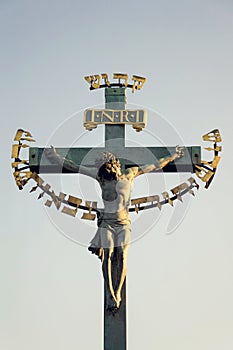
(109, 166)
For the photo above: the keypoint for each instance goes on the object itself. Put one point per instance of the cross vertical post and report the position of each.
(115, 327)
(115, 99)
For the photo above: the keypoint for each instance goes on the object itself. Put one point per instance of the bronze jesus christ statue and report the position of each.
(113, 234)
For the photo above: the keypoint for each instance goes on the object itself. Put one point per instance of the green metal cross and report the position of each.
(115, 326)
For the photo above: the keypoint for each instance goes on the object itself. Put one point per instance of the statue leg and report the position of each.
(122, 270)
(107, 271)
(122, 251)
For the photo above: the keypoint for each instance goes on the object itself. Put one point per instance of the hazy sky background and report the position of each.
(180, 286)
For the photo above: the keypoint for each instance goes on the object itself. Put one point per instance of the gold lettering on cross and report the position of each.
(105, 78)
(107, 116)
(138, 82)
(136, 118)
(93, 80)
(121, 76)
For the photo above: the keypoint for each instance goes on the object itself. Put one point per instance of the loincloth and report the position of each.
(110, 234)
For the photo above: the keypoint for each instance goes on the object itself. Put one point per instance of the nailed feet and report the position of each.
(111, 304)
(118, 300)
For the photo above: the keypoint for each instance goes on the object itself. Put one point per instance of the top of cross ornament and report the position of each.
(114, 112)
(95, 81)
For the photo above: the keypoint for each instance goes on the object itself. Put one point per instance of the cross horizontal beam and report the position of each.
(129, 156)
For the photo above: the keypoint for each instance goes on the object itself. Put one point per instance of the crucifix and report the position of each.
(114, 166)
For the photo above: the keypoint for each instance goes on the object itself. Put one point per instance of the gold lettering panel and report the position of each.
(94, 81)
(193, 182)
(27, 136)
(177, 190)
(105, 78)
(69, 211)
(121, 76)
(94, 117)
(20, 165)
(89, 215)
(213, 163)
(16, 149)
(167, 198)
(212, 136)
(38, 179)
(215, 148)
(204, 174)
(207, 169)
(138, 82)
(74, 200)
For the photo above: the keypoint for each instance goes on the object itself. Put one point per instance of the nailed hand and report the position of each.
(51, 154)
(179, 151)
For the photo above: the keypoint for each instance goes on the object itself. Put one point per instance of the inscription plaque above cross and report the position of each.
(115, 167)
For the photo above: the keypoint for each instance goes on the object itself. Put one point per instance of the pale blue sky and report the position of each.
(180, 285)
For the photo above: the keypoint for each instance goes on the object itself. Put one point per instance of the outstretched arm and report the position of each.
(136, 171)
(55, 158)
(164, 161)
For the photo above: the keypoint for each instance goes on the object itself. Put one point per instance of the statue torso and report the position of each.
(116, 198)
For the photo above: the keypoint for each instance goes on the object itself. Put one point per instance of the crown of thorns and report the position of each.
(106, 157)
